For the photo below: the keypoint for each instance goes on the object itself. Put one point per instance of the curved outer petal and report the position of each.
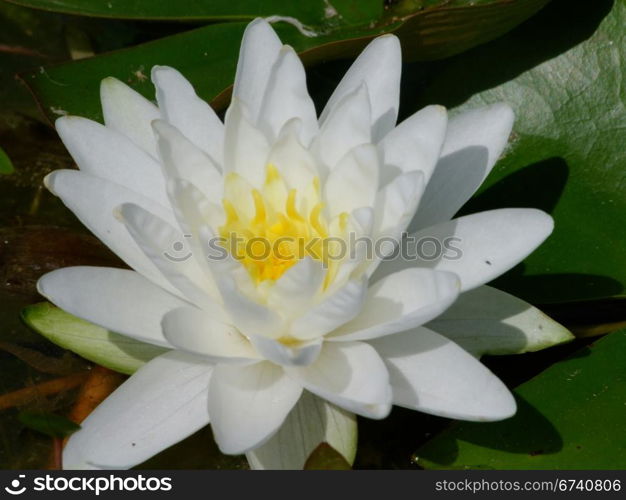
(181, 159)
(287, 97)
(353, 183)
(333, 311)
(346, 127)
(109, 155)
(159, 240)
(196, 332)
(432, 374)
(245, 147)
(93, 201)
(350, 375)
(194, 212)
(296, 164)
(479, 247)
(474, 142)
(395, 206)
(415, 144)
(165, 401)
(180, 106)
(196, 217)
(119, 300)
(128, 112)
(259, 51)
(379, 66)
(488, 321)
(401, 301)
(248, 404)
(311, 422)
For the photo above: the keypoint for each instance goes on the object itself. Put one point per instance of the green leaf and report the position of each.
(207, 56)
(325, 457)
(563, 73)
(6, 166)
(49, 424)
(312, 12)
(92, 342)
(570, 416)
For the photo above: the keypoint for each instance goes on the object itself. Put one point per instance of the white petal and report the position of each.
(379, 66)
(180, 106)
(250, 317)
(165, 401)
(245, 147)
(107, 154)
(350, 375)
(287, 97)
(93, 201)
(311, 422)
(489, 321)
(474, 142)
(159, 241)
(346, 127)
(294, 291)
(182, 159)
(294, 162)
(248, 404)
(353, 183)
(259, 51)
(415, 144)
(195, 331)
(401, 301)
(128, 112)
(396, 204)
(285, 354)
(119, 300)
(194, 212)
(432, 374)
(479, 247)
(332, 312)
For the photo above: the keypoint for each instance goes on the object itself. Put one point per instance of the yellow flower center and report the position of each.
(271, 228)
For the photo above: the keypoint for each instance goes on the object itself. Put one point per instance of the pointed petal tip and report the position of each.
(388, 39)
(439, 109)
(500, 406)
(259, 25)
(258, 21)
(507, 409)
(161, 127)
(110, 83)
(62, 123)
(49, 181)
(538, 220)
(41, 284)
(159, 69)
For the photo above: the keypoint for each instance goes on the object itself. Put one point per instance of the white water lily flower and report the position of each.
(296, 341)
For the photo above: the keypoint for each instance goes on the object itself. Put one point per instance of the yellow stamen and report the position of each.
(283, 228)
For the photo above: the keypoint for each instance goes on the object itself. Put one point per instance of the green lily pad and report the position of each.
(6, 166)
(207, 56)
(92, 342)
(314, 12)
(570, 416)
(49, 424)
(563, 73)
